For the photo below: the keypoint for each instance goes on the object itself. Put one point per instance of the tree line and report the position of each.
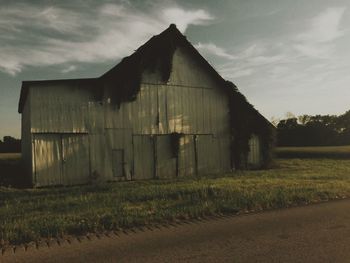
(314, 130)
(10, 145)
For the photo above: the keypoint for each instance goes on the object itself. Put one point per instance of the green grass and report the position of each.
(27, 215)
(335, 152)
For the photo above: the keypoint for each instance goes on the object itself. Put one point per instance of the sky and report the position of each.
(285, 56)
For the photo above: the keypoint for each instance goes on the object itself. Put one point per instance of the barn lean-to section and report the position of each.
(81, 131)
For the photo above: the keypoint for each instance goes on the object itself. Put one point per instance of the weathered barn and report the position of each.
(162, 112)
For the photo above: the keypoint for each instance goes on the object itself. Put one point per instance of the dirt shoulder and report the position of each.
(316, 233)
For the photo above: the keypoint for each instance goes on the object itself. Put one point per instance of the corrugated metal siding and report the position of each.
(117, 139)
(100, 157)
(187, 156)
(166, 161)
(207, 161)
(254, 155)
(187, 71)
(61, 159)
(143, 146)
(48, 159)
(191, 103)
(76, 159)
(59, 108)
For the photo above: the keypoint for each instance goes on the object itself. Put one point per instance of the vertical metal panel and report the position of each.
(187, 163)
(171, 108)
(118, 162)
(76, 163)
(119, 139)
(166, 161)
(58, 108)
(47, 159)
(100, 157)
(254, 155)
(206, 154)
(153, 104)
(143, 157)
(163, 124)
(188, 71)
(95, 118)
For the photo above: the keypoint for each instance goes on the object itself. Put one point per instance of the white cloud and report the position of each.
(317, 41)
(325, 27)
(212, 49)
(69, 69)
(42, 36)
(183, 18)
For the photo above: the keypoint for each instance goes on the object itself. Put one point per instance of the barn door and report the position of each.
(143, 148)
(187, 156)
(166, 161)
(254, 155)
(75, 162)
(206, 151)
(118, 163)
(47, 159)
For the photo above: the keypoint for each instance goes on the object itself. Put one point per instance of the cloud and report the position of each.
(325, 27)
(184, 18)
(212, 49)
(49, 35)
(317, 40)
(69, 69)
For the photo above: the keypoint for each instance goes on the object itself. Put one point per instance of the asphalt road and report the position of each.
(315, 233)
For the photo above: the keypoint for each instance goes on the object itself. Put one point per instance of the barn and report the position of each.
(162, 112)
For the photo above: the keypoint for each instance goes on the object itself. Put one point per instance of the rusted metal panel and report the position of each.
(144, 157)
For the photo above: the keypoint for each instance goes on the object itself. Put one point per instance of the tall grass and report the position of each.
(27, 215)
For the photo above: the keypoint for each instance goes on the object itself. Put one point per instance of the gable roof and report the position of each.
(156, 52)
(127, 73)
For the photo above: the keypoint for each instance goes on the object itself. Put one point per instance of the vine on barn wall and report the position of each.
(246, 121)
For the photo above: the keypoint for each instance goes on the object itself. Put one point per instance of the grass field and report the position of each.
(336, 152)
(30, 214)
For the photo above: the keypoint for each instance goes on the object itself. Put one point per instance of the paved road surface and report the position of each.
(316, 233)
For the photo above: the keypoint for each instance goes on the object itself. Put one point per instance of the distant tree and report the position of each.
(314, 130)
(10, 145)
